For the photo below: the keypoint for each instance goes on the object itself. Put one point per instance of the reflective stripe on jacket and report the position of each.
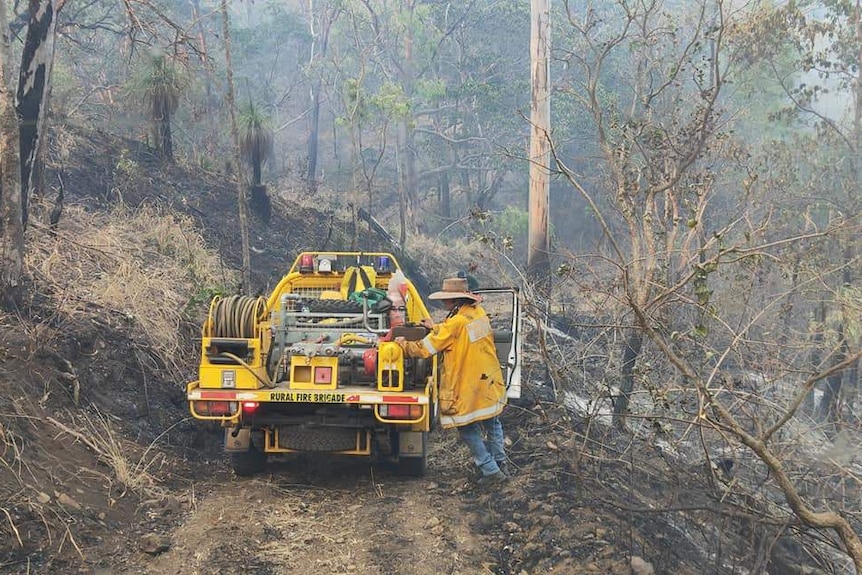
(472, 388)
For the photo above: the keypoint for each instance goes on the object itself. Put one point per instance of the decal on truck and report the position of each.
(307, 397)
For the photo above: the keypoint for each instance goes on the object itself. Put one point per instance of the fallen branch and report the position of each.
(76, 434)
(12, 525)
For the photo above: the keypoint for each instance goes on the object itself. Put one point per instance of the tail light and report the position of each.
(215, 408)
(249, 407)
(399, 411)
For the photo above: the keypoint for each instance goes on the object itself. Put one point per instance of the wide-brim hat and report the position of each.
(454, 288)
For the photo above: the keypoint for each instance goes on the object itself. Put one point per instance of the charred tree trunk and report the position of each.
(163, 133)
(256, 163)
(815, 357)
(34, 81)
(234, 130)
(631, 352)
(444, 196)
(828, 408)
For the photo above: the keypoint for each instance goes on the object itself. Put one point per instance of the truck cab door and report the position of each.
(503, 306)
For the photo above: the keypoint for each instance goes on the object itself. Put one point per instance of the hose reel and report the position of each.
(236, 316)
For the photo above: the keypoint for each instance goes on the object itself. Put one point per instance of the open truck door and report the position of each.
(503, 306)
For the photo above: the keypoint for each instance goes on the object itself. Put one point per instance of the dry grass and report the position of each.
(140, 264)
(132, 472)
(26, 512)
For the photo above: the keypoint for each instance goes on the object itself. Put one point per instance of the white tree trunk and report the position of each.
(11, 224)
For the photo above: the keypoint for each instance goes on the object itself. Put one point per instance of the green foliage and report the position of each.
(205, 294)
(255, 134)
(512, 222)
(431, 89)
(126, 166)
(157, 84)
(390, 101)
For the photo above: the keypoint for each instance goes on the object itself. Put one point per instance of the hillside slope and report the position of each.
(102, 471)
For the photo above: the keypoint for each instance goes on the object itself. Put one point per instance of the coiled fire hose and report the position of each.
(237, 317)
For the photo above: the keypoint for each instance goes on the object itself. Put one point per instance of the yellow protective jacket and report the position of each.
(472, 388)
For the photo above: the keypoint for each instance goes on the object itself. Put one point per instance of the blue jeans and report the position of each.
(488, 453)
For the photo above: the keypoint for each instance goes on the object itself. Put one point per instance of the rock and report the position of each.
(154, 544)
(67, 501)
(432, 523)
(641, 567)
(43, 497)
(165, 507)
(512, 527)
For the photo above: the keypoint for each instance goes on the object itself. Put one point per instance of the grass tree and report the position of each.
(157, 86)
(255, 142)
(255, 139)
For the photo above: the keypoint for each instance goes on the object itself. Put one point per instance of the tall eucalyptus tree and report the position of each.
(34, 89)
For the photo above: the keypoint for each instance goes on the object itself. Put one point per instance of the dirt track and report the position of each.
(318, 515)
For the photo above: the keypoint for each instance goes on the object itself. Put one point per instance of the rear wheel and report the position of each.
(248, 463)
(415, 465)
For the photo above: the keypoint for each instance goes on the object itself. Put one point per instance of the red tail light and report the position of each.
(399, 411)
(215, 407)
(250, 407)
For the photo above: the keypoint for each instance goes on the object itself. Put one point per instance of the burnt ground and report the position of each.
(102, 471)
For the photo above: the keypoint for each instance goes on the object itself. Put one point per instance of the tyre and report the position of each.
(248, 463)
(415, 465)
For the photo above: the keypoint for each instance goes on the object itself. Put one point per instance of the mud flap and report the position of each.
(412, 453)
(411, 443)
(237, 440)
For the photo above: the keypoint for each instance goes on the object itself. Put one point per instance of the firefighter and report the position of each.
(472, 393)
